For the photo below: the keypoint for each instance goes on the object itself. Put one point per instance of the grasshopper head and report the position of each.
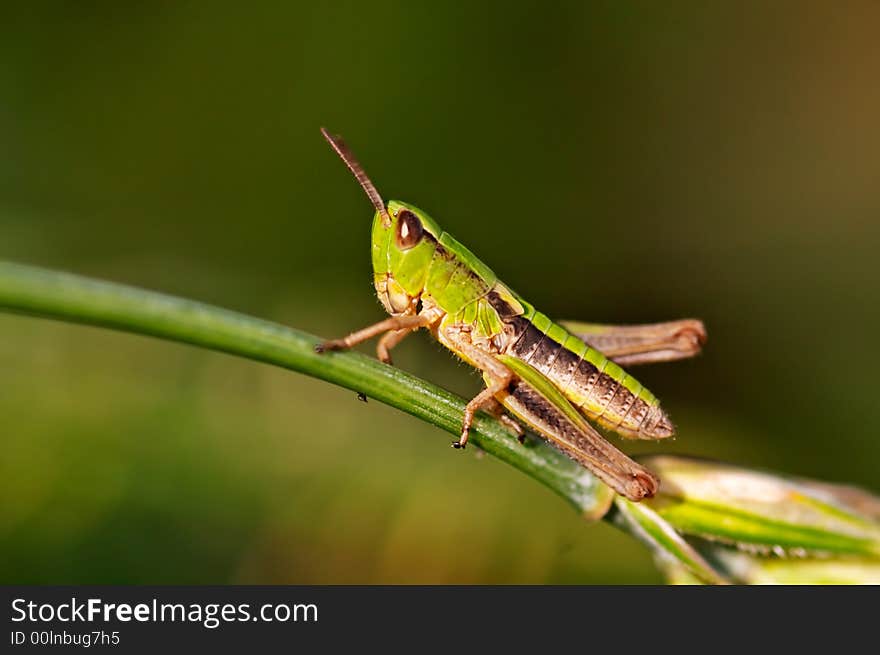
(402, 252)
(404, 240)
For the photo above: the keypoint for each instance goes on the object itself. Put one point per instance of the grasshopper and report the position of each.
(554, 377)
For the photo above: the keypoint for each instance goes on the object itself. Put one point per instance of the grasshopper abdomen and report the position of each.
(602, 390)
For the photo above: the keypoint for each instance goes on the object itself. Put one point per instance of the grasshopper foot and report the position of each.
(324, 346)
(462, 441)
(514, 427)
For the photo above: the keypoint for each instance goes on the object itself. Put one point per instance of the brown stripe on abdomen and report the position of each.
(619, 405)
(599, 395)
(529, 339)
(641, 421)
(635, 418)
(545, 355)
(582, 382)
(563, 368)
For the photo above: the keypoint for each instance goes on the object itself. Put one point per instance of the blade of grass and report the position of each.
(63, 296)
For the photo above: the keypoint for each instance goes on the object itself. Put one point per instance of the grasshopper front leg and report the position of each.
(389, 340)
(395, 327)
(628, 345)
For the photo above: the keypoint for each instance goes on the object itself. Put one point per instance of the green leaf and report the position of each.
(669, 548)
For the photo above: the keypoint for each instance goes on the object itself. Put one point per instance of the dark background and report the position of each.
(612, 161)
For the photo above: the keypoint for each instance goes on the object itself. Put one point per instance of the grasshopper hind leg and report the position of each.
(629, 345)
(497, 410)
(581, 442)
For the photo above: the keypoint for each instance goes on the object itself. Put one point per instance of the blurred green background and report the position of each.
(717, 160)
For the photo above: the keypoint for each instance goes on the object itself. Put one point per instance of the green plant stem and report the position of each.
(63, 296)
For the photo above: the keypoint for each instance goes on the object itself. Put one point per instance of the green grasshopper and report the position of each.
(553, 377)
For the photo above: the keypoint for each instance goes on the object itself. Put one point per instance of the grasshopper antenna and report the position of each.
(357, 170)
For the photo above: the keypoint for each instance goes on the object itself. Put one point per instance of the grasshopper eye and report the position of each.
(409, 230)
